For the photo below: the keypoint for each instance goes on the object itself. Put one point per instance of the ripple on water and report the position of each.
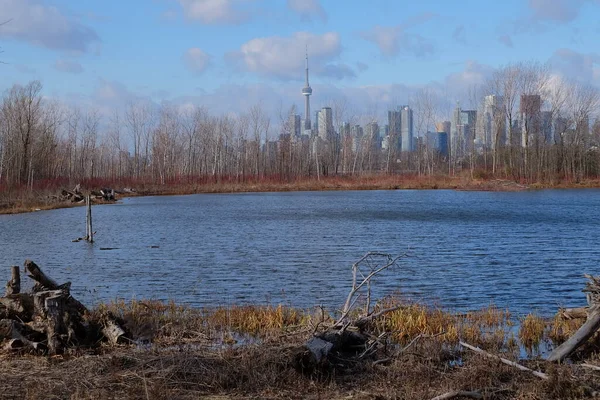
(467, 249)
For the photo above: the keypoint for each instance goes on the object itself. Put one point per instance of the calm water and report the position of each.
(521, 251)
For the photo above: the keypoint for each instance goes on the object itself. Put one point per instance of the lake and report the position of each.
(524, 251)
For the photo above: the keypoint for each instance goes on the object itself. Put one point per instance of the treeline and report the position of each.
(42, 140)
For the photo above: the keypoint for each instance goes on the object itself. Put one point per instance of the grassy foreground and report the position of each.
(248, 352)
(44, 196)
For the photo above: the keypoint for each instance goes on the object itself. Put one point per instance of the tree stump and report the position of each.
(14, 285)
(56, 328)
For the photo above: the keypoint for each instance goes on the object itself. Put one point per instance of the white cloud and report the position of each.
(556, 10)
(71, 67)
(196, 60)
(215, 11)
(396, 40)
(283, 57)
(307, 9)
(45, 26)
(577, 66)
(472, 75)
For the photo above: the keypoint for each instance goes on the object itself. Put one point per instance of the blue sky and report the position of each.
(231, 54)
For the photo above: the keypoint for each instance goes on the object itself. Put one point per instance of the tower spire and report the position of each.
(307, 66)
(307, 91)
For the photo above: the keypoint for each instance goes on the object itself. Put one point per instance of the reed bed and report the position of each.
(233, 352)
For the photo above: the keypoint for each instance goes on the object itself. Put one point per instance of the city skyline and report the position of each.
(229, 55)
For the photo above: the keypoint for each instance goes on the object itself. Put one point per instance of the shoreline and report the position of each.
(26, 203)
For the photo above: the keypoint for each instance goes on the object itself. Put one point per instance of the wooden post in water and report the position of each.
(89, 232)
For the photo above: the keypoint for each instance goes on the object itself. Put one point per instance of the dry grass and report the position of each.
(531, 331)
(20, 199)
(248, 352)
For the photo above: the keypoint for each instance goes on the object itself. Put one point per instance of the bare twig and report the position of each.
(369, 318)
(374, 270)
(418, 337)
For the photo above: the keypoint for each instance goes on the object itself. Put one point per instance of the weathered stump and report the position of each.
(56, 329)
(14, 285)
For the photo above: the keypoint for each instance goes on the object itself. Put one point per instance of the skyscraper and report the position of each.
(531, 118)
(307, 91)
(325, 123)
(406, 128)
(469, 123)
(394, 118)
(494, 122)
(456, 133)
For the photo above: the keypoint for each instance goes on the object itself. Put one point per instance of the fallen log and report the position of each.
(18, 305)
(588, 329)
(505, 361)
(44, 283)
(459, 393)
(574, 313)
(17, 334)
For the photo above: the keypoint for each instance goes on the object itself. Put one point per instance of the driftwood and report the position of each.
(588, 329)
(505, 361)
(347, 340)
(574, 313)
(112, 330)
(14, 285)
(50, 315)
(459, 393)
(17, 304)
(16, 333)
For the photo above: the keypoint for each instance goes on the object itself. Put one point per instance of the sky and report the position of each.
(229, 55)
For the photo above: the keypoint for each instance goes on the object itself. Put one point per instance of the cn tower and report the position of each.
(307, 91)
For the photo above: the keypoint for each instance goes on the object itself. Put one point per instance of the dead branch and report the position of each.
(504, 360)
(590, 366)
(459, 393)
(356, 286)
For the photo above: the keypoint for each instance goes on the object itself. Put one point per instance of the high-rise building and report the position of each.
(356, 132)
(531, 118)
(469, 125)
(443, 143)
(443, 130)
(372, 134)
(443, 126)
(325, 121)
(406, 128)
(307, 92)
(462, 131)
(456, 133)
(493, 132)
(295, 126)
(394, 118)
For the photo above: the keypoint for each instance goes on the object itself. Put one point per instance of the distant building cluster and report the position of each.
(470, 131)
